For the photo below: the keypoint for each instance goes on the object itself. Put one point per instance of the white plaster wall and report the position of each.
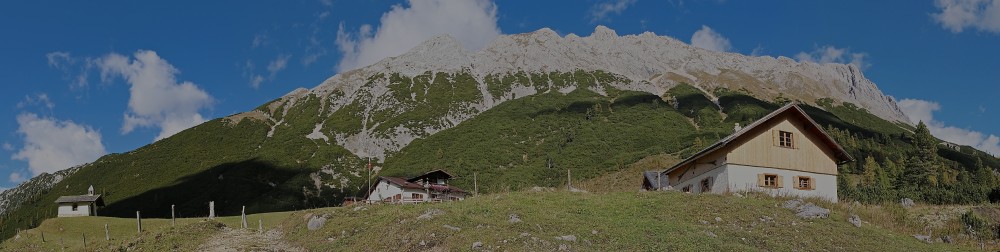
(385, 190)
(744, 178)
(719, 176)
(66, 210)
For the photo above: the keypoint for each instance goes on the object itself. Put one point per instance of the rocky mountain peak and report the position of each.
(646, 62)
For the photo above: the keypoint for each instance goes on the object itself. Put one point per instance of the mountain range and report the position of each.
(518, 113)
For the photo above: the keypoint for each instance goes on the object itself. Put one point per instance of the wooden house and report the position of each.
(783, 153)
(79, 205)
(429, 187)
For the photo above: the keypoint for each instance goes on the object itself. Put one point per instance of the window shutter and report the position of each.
(760, 179)
(774, 137)
(795, 182)
(777, 181)
(812, 184)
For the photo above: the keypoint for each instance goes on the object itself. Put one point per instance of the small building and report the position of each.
(784, 153)
(429, 187)
(80, 205)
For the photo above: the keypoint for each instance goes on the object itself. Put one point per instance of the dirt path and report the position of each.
(247, 240)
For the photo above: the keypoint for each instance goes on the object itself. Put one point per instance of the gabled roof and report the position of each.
(432, 174)
(81, 198)
(793, 108)
(401, 182)
(651, 179)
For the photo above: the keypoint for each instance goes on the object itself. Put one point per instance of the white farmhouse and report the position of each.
(429, 187)
(783, 153)
(80, 205)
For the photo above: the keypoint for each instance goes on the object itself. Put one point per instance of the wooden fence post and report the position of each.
(211, 210)
(43, 235)
(107, 235)
(569, 181)
(260, 226)
(243, 218)
(475, 185)
(138, 222)
(84, 240)
(173, 218)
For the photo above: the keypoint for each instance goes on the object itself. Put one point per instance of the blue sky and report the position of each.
(84, 78)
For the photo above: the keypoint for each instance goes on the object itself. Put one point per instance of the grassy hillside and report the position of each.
(268, 164)
(623, 221)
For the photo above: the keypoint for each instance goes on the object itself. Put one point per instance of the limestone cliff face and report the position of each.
(644, 62)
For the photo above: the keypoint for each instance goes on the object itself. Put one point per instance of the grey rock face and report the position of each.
(906, 203)
(316, 222)
(855, 220)
(806, 210)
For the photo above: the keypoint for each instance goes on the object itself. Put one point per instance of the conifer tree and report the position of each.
(922, 167)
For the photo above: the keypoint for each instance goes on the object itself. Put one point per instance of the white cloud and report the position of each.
(600, 11)
(51, 145)
(256, 80)
(709, 39)
(259, 39)
(8, 147)
(923, 111)
(156, 98)
(473, 23)
(15, 177)
(956, 15)
(277, 65)
(65, 62)
(327, 3)
(831, 54)
(38, 99)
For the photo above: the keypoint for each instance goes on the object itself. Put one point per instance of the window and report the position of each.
(706, 184)
(785, 139)
(769, 180)
(75, 206)
(686, 188)
(804, 183)
(417, 196)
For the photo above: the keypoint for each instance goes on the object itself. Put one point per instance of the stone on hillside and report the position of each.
(477, 245)
(360, 208)
(576, 190)
(792, 204)
(430, 213)
(924, 238)
(854, 219)
(316, 222)
(710, 234)
(452, 227)
(947, 239)
(718, 219)
(806, 210)
(569, 238)
(563, 247)
(525, 234)
(542, 189)
(514, 218)
(906, 203)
